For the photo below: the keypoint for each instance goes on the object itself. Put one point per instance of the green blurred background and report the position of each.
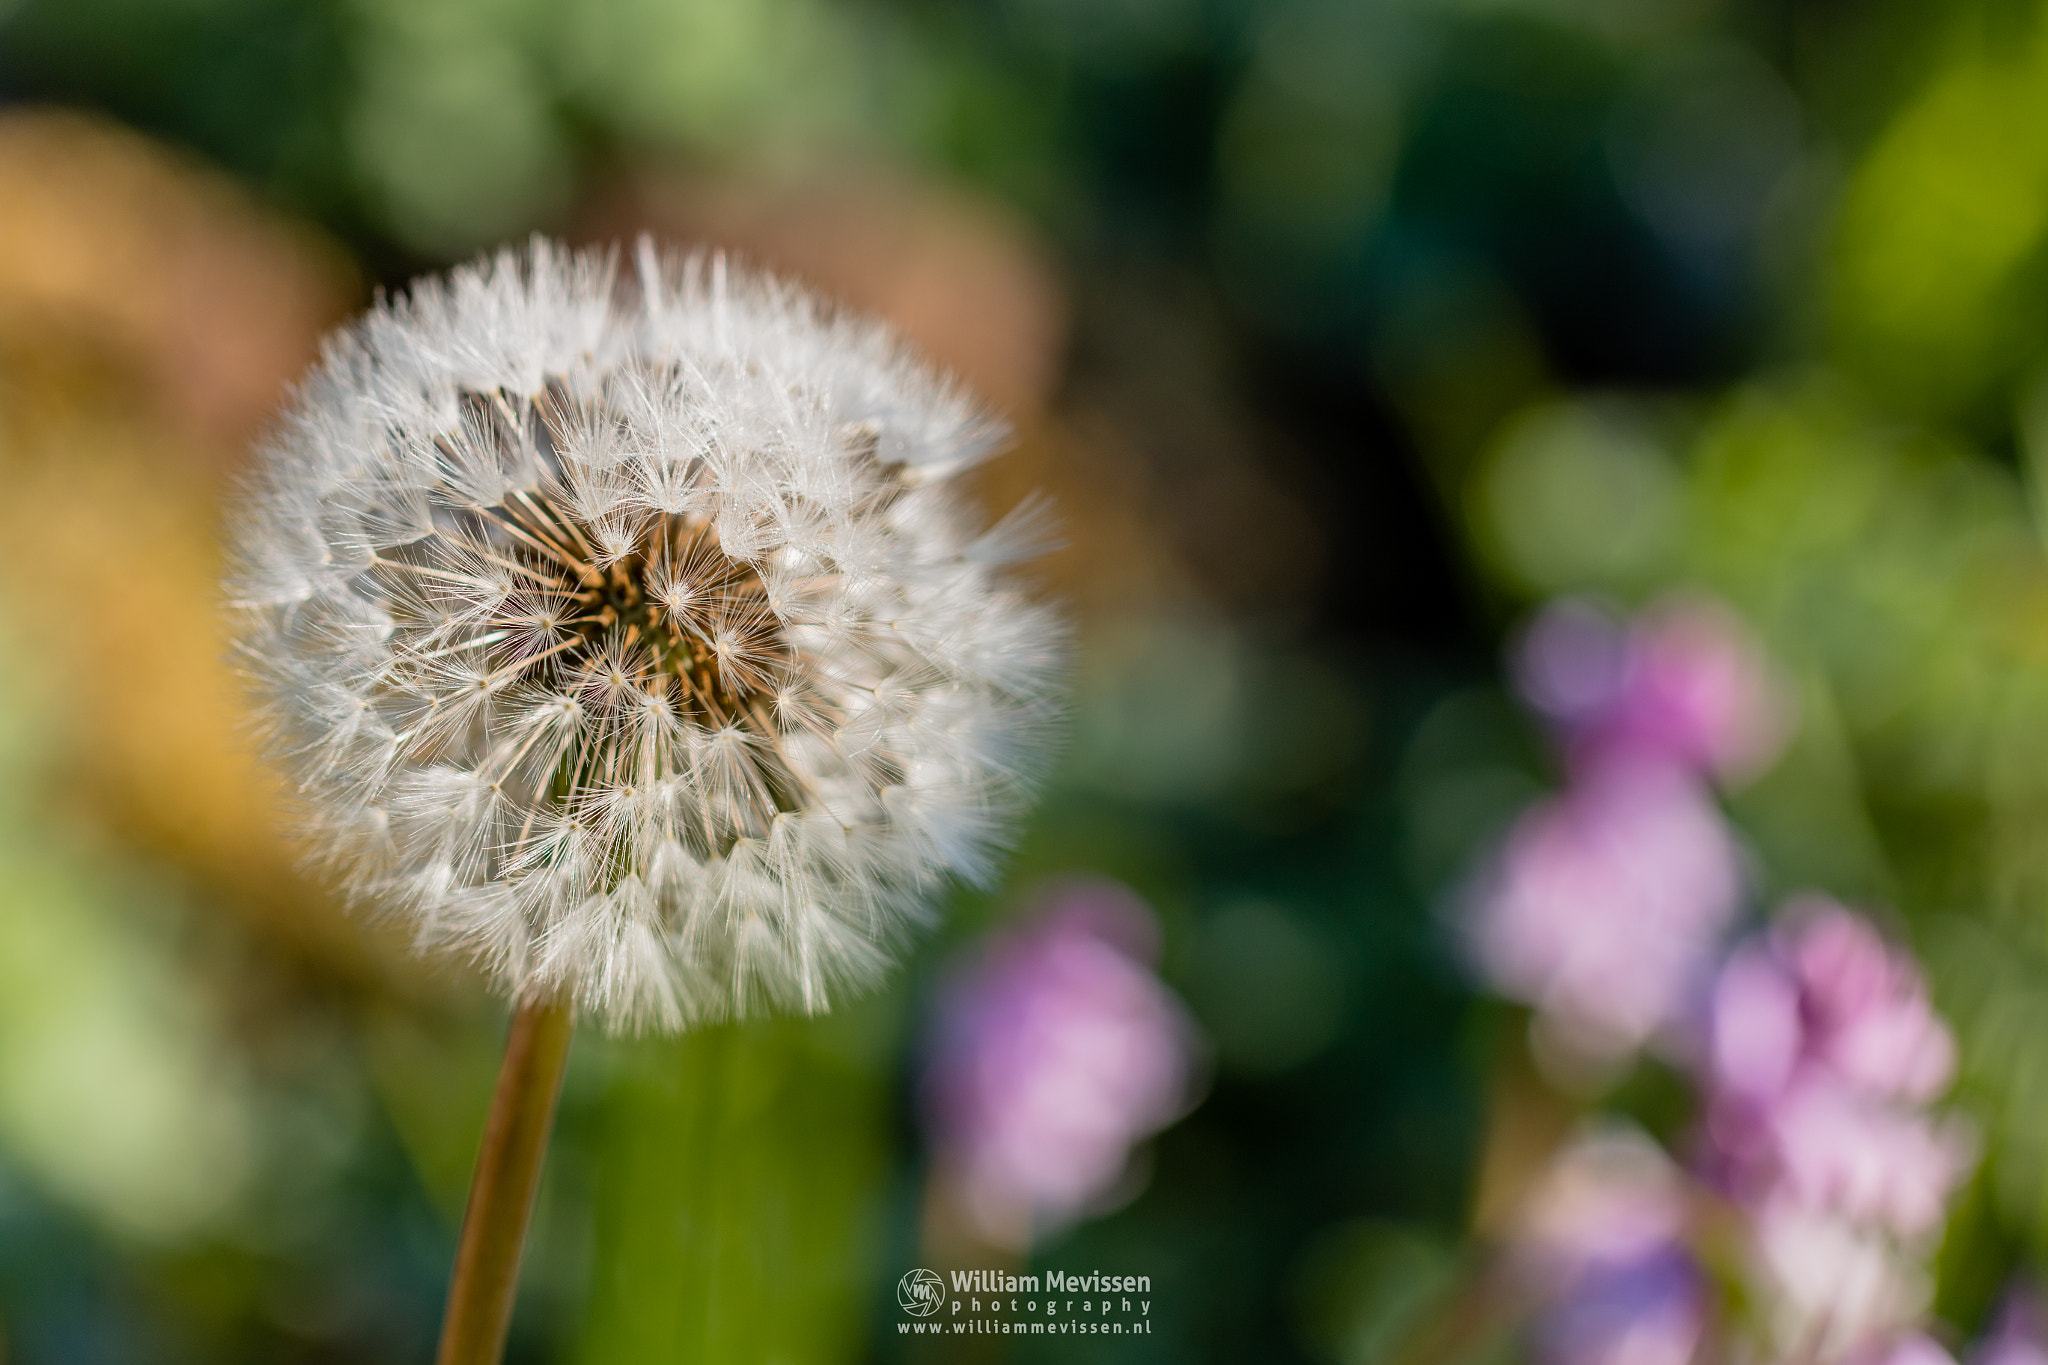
(1341, 332)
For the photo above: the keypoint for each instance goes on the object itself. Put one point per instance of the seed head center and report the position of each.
(675, 614)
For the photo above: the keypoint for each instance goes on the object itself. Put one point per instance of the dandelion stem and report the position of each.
(502, 1190)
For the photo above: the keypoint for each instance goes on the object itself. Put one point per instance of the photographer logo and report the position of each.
(919, 1293)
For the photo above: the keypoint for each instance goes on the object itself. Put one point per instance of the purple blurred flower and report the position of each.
(1870, 1020)
(1832, 1289)
(1605, 904)
(1649, 1312)
(1572, 664)
(1602, 1245)
(1821, 1047)
(2021, 1335)
(1821, 1052)
(1822, 992)
(1609, 1197)
(1683, 684)
(1872, 1162)
(1052, 1055)
(1917, 1348)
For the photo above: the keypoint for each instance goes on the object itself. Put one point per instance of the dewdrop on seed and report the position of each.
(624, 630)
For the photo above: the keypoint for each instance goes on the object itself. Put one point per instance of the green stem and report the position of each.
(501, 1192)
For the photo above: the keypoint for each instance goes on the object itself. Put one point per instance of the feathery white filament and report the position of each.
(628, 634)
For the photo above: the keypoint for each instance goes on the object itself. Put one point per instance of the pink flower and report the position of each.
(1872, 1161)
(2021, 1336)
(1833, 1290)
(1651, 1313)
(1052, 1055)
(1610, 1197)
(1870, 1018)
(1917, 1348)
(1572, 664)
(1605, 903)
(1824, 991)
(1821, 1046)
(1756, 1031)
(1602, 1244)
(1684, 684)
(1821, 1053)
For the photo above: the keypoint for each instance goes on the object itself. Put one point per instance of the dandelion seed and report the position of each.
(629, 635)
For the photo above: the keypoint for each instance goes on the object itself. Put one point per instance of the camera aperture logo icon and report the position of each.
(919, 1293)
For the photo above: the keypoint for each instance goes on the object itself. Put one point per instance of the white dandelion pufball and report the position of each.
(624, 628)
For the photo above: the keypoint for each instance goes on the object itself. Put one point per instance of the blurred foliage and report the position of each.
(737, 1210)
(1368, 1289)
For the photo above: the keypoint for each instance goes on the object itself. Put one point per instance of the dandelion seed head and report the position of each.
(623, 629)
